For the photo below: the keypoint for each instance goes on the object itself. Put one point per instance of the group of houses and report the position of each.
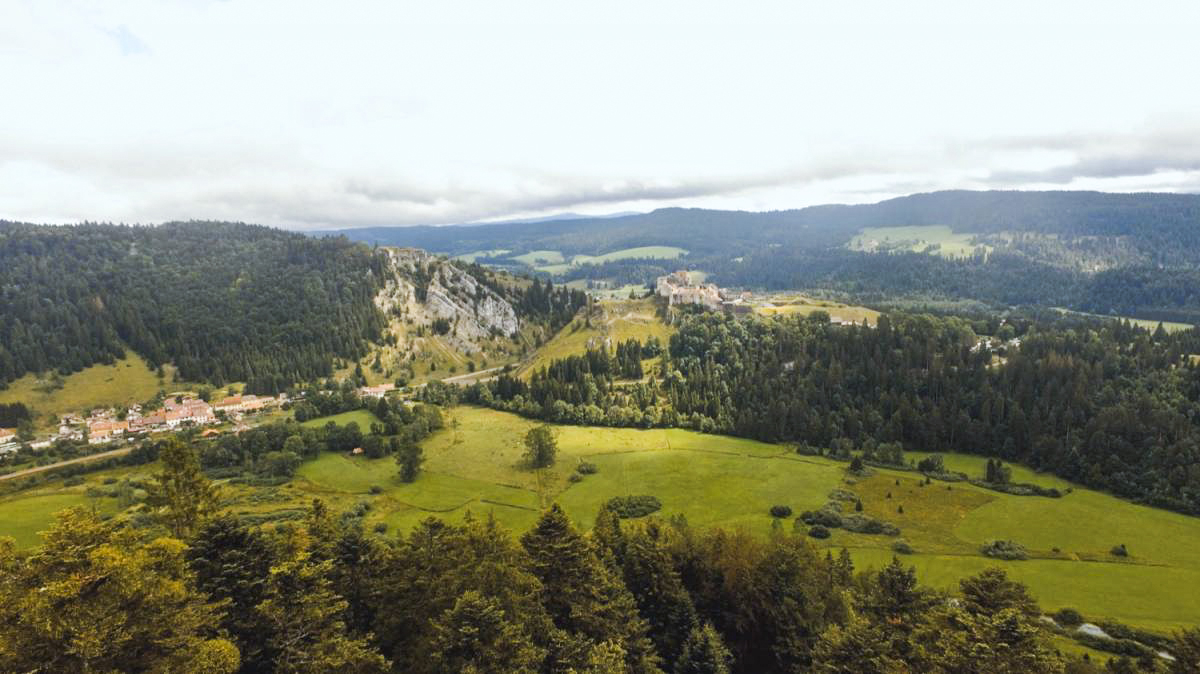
(677, 288)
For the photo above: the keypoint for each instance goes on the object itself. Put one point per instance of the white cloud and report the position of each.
(312, 114)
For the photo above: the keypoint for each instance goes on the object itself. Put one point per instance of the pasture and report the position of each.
(612, 321)
(475, 465)
(803, 306)
(127, 381)
(937, 239)
(364, 419)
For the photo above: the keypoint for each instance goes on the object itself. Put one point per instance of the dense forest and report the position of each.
(189, 588)
(223, 302)
(1108, 405)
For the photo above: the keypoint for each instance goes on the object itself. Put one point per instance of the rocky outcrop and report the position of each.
(429, 291)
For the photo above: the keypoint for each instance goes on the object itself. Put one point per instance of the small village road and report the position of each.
(60, 464)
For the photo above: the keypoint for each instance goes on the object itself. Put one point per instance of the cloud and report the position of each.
(1105, 156)
(129, 43)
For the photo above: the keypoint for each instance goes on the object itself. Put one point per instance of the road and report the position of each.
(82, 459)
(473, 376)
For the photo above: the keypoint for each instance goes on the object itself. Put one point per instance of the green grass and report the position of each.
(545, 260)
(537, 257)
(641, 252)
(25, 514)
(1146, 323)
(475, 466)
(125, 382)
(617, 320)
(915, 238)
(804, 306)
(364, 419)
(471, 257)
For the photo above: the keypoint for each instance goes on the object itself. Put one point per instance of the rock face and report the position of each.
(426, 289)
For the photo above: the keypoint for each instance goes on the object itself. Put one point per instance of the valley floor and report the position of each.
(474, 466)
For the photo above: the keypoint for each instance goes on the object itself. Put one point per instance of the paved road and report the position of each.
(477, 376)
(82, 459)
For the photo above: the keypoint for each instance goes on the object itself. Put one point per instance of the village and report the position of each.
(178, 411)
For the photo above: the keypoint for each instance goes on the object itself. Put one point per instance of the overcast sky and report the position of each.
(341, 114)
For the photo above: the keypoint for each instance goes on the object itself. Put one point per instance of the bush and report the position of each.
(823, 517)
(381, 527)
(781, 511)
(861, 524)
(931, 464)
(1068, 617)
(73, 481)
(1119, 551)
(1004, 550)
(574, 477)
(376, 489)
(627, 507)
(818, 531)
(586, 468)
(110, 480)
(856, 466)
(901, 546)
(842, 495)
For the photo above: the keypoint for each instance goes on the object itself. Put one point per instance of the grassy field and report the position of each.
(804, 306)
(553, 262)
(616, 320)
(917, 239)
(1169, 326)
(471, 257)
(475, 465)
(127, 381)
(364, 419)
(537, 257)
(26, 513)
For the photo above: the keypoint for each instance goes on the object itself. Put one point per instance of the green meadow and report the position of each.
(554, 262)
(364, 419)
(475, 465)
(946, 242)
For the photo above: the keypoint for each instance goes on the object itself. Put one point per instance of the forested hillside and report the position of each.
(223, 302)
(1123, 254)
(1110, 406)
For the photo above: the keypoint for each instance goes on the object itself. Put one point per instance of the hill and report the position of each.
(1113, 254)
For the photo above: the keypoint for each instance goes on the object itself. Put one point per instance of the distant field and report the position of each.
(553, 262)
(1169, 326)
(805, 306)
(916, 239)
(25, 514)
(616, 320)
(537, 257)
(471, 257)
(127, 381)
(363, 418)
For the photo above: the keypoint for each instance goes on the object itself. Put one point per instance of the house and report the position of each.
(229, 404)
(252, 403)
(376, 391)
(41, 444)
(7, 434)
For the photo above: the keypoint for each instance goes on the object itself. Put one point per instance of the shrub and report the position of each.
(1119, 551)
(1068, 617)
(376, 489)
(110, 480)
(902, 547)
(861, 524)
(818, 531)
(73, 481)
(842, 495)
(574, 477)
(586, 468)
(381, 527)
(900, 510)
(781, 511)
(822, 517)
(858, 506)
(627, 507)
(1004, 550)
(931, 464)
(94, 492)
(856, 465)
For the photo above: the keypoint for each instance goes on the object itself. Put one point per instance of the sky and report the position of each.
(315, 115)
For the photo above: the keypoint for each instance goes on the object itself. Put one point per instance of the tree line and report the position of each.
(1108, 405)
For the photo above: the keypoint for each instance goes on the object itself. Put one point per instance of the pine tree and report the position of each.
(703, 653)
(183, 494)
(582, 596)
